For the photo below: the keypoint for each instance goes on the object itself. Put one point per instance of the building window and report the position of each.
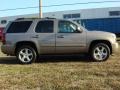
(3, 21)
(114, 13)
(68, 16)
(77, 15)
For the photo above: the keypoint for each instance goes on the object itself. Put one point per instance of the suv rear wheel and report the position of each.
(26, 55)
(100, 52)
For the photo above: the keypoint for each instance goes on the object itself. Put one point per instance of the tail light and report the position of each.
(3, 38)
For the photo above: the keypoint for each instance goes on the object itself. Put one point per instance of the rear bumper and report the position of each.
(8, 49)
(115, 48)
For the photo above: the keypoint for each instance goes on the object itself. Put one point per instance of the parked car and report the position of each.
(1, 33)
(28, 38)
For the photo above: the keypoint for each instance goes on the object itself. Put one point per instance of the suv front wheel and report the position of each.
(26, 55)
(100, 52)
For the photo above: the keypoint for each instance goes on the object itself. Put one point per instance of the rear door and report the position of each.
(46, 36)
(69, 39)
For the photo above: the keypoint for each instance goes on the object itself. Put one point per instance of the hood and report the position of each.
(101, 34)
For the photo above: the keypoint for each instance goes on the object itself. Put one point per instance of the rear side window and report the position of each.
(44, 27)
(19, 27)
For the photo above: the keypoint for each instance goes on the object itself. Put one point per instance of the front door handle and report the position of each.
(36, 36)
(60, 36)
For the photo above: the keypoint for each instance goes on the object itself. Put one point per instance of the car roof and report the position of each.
(31, 19)
(25, 19)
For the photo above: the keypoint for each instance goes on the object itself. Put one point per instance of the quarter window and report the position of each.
(44, 27)
(19, 27)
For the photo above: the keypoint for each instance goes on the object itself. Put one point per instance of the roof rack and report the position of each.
(19, 18)
(49, 18)
(34, 18)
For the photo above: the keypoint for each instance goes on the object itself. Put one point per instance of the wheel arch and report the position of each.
(29, 43)
(101, 41)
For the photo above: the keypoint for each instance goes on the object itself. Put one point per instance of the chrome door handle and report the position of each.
(60, 36)
(36, 36)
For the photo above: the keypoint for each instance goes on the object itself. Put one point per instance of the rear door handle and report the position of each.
(60, 36)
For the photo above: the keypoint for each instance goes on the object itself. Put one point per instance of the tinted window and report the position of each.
(67, 27)
(19, 27)
(44, 27)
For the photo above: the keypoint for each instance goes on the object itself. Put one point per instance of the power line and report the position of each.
(58, 5)
(18, 8)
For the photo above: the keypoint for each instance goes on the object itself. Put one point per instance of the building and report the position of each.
(104, 19)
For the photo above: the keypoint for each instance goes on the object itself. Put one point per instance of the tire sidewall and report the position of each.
(33, 51)
(97, 45)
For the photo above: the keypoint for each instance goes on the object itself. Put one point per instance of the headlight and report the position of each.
(114, 37)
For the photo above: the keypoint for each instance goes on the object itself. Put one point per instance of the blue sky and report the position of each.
(11, 4)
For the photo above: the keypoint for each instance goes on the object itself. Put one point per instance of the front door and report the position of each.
(69, 39)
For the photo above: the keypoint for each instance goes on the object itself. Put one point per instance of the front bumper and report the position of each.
(115, 48)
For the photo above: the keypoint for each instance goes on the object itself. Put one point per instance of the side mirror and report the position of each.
(79, 30)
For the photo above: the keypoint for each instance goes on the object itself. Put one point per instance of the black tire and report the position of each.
(26, 54)
(102, 50)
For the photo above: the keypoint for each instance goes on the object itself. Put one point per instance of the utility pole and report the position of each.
(40, 8)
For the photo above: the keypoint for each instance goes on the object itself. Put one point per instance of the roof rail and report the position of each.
(34, 18)
(25, 18)
(19, 18)
(50, 18)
